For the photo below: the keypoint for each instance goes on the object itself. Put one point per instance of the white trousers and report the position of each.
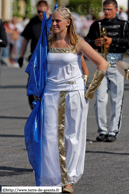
(75, 123)
(114, 81)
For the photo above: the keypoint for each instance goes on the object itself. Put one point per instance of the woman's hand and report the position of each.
(100, 62)
(35, 97)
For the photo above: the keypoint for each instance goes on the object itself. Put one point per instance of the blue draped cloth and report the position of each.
(49, 23)
(37, 70)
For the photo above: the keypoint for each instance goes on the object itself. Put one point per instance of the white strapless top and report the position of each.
(64, 72)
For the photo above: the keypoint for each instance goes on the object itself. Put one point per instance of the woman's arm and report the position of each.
(84, 48)
(85, 70)
(84, 66)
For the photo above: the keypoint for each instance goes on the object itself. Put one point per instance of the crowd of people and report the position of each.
(13, 31)
(60, 149)
(15, 27)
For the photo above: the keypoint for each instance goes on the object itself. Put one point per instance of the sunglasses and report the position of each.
(39, 11)
(104, 9)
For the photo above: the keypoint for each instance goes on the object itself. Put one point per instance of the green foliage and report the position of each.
(28, 9)
(16, 9)
(84, 7)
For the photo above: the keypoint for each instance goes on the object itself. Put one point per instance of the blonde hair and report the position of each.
(64, 12)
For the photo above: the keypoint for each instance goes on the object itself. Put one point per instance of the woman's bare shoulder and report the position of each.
(81, 43)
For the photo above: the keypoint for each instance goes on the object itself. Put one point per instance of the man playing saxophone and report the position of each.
(116, 42)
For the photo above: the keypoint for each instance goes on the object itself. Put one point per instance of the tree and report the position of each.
(85, 7)
(17, 8)
(28, 9)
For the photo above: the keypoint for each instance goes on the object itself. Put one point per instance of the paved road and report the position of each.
(106, 164)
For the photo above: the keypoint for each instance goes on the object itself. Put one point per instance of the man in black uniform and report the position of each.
(116, 43)
(32, 32)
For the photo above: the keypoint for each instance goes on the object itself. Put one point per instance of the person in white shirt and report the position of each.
(122, 15)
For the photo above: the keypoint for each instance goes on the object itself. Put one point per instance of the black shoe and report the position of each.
(101, 137)
(111, 138)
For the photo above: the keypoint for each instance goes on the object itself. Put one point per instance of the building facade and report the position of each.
(6, 10)
(7, 7)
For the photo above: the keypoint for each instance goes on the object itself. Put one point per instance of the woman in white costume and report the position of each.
(65, 105)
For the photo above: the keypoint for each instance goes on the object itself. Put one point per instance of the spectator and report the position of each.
(16, 40)
(122, 14)
(3, 37)
(5, 50)
(32, 33)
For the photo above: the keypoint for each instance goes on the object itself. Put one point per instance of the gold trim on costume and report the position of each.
(72, 82)
(95, 83)
(70, 49)
(62, 50)
(61, 144)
